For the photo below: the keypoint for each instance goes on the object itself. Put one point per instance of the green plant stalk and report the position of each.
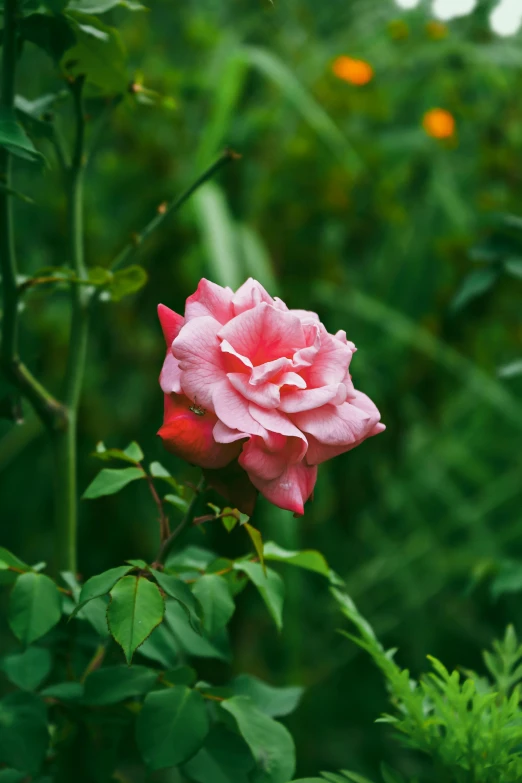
(65, 440)
(7, 248)
(47, 407)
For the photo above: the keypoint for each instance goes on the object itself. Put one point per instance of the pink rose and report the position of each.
(247, 379)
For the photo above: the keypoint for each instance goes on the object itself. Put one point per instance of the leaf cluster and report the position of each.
(469, 726)
(165, 618)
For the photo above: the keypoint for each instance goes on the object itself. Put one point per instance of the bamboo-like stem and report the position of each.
(65, 441)
(47, 407)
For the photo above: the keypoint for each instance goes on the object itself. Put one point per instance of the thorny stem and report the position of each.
(166, 545)
(168, 209)
(163, 519)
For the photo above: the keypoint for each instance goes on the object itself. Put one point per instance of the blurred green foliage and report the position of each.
(342, 204)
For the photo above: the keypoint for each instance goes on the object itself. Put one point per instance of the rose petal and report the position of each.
(273, 421)
(330, 363)
(190, 436)
(170, 376)
(306, 356)
(319, 452)
(265, 395)
(291, 489)
(291, 379)
(235, 362)
(224, 434)
(336, 425)
(306, 316)
(264, 334)
(200, 359)
(259, 461)
(313, 398)
(170, 322)
(249, 295)
(233, 410)
(268, 370)
(210, 299)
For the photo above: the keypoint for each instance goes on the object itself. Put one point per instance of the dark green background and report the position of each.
(351, 210)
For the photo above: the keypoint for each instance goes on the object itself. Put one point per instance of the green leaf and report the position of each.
(53, 34)
(176, 501)
(187, 639)
(270, 586)
(136, 608)
(257, 540)
(9, 561)
(511, 370)
(214, 596)
(390, 775)
(229, 520)
(303, 101)
(27, 670)
(274, 702)
(171, 727)
(215, 223)
(180, 675)
(98, 54)
(35, 607)
(178, 590)
(513, 267)
(113, 684)
(12, 776)
(141, 564)
(508, 578)
(56, 6)
(95, 613)
(224, 758)
(24, 735)
(270, 742)
(99, 585)
(132, 453)
(127, 281)
(306, 558)
(162, 646)
(475, 284)
(31, 123)
(192, 558)
(64, 691)
(102, 6)
(257, 259)
(14, 138)
(109, 481)
(158, 471)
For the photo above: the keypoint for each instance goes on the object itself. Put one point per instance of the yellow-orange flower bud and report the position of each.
(439, 123)
(356, 72)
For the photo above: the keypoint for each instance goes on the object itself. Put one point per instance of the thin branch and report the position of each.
(166, 545)
(48, 408)
(168, 209)
(79, 325)
(163, 519)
